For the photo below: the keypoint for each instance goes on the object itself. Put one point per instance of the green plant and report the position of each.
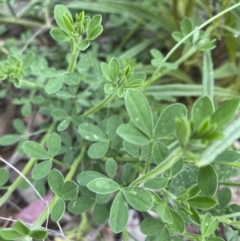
(120, 150)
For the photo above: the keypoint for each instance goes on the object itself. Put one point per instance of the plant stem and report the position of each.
(146, 169)
(163, 166)
(23, 22)
(98, 107)
(73, 60)
(231, 184)
(26, 169)
(61, 164)
(69, 176)
(30, 84)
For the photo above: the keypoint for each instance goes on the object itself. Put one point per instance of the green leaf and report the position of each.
(93, 25)
(98, 150)
(71, 79)
(49, 73)
(19, 125)
(118, 214)
(164, 213)
(83, 45)
(58, 210)
(207, 72)
(69, 191)
(139, 111)
(114, 66)
(113, 123)
(106, 72)
(10, 234)
(111, 167)
(56, 181)
(225, 113)
(59, 114)
(208, 225)
(54, 85)
(4, 175)
(59, 35)
(194, 216)
(178, 225)
(28, 60)
(166, 122)
(68, 22)
(156, 183)
(228, 156)
(103, 185)
(208, 180)
(100, 214)
(183, 131)
(26, 109)
(54, 144)
(109, 88)
(21, 228)
(102, 198)
(42, 169)
(59, 11)
(160, 152)
(164, 235)
(131, 134)
(202, 202)
(40, 186)
(131, 149)
(231, 133)
(91, 132)
(128, 173)
(151, 226)
(80, 205)
(186, 26)
(35, 150)
(85, 177)
(8, 140)
(63, 125)
(177, 36)
(138, 198)
(39, 234)
(95, 33)
(224, 197)
(202, 109)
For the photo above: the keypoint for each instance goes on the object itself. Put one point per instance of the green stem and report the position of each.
(73, 60)
(98, 107)
(23, 22)
(163, 166)
(231, 184)
(26, 169)
(146, 169)
(232, 215)
(30, 85)
(125, 235)
(69, 176)
(61, 164)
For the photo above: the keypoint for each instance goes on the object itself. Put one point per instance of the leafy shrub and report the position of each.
(118, 143)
